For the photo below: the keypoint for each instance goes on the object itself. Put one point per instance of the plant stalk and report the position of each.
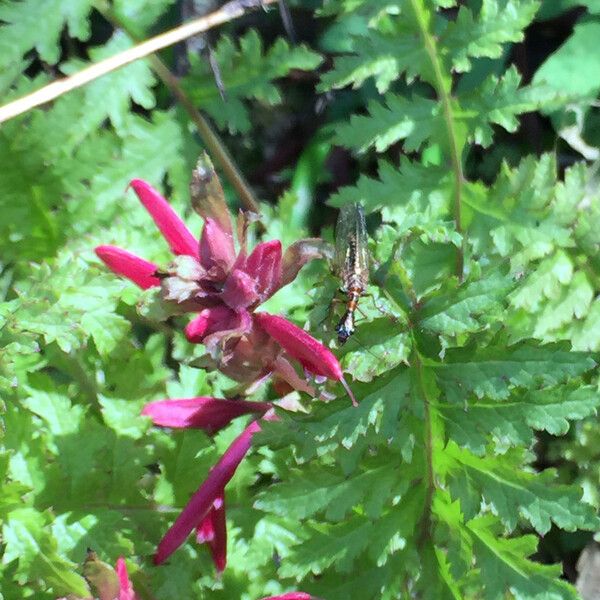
(213, 143)
(228, 12)
(444, 96)
(425, 523)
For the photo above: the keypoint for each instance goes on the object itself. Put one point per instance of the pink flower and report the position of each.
(206, 510)
(310, 353)
(224, 288)
(178, 236)
(292, 596)
(125, 588)
(209, 414)
(138, 270)
(202, 505)
(213, 531)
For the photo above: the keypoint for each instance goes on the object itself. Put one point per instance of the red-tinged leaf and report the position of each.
(298, 254)
(174, 230)
(124, 263)
(286, 372)
(207, 195)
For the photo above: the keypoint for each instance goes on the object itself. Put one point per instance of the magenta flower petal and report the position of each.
(209, 414)
(213, 531)
(264, 265)
(209, 321)
(292, 596)
(201, 502)
(216, 326)
(124, 263)
(205, 531)
(125, 588)
(239, 290)
(217, 253)
(311, 354)
(174, 230)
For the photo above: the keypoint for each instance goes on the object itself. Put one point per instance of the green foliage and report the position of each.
(248, 73)
(474, 361)
(27, 27)
(574, 66)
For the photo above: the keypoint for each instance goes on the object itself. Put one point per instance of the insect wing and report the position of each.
(351, 249)
(362, 247)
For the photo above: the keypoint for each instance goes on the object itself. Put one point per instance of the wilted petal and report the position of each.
(209, 414)
(244, 219)
(213, 531)
(247, 357)
(207, 195)
(125, 588)
(264, 265)
(174, 230)
(283, 369)
(124, 263)
(298, 254)
(292, 596)
(310, 353)
(239, 290)
(201, 502)
(217, 253)
(182, 281)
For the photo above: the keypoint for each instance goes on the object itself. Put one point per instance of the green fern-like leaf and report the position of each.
(248, 73)
(28, 25)
(498, 22)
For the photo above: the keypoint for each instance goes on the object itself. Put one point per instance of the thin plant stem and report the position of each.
(425, 525)
(213, 143)
(227, 12)
(444, 96)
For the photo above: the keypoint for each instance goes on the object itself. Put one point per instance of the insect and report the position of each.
(351, 263)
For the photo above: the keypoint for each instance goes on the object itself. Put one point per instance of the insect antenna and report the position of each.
(356, 339)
